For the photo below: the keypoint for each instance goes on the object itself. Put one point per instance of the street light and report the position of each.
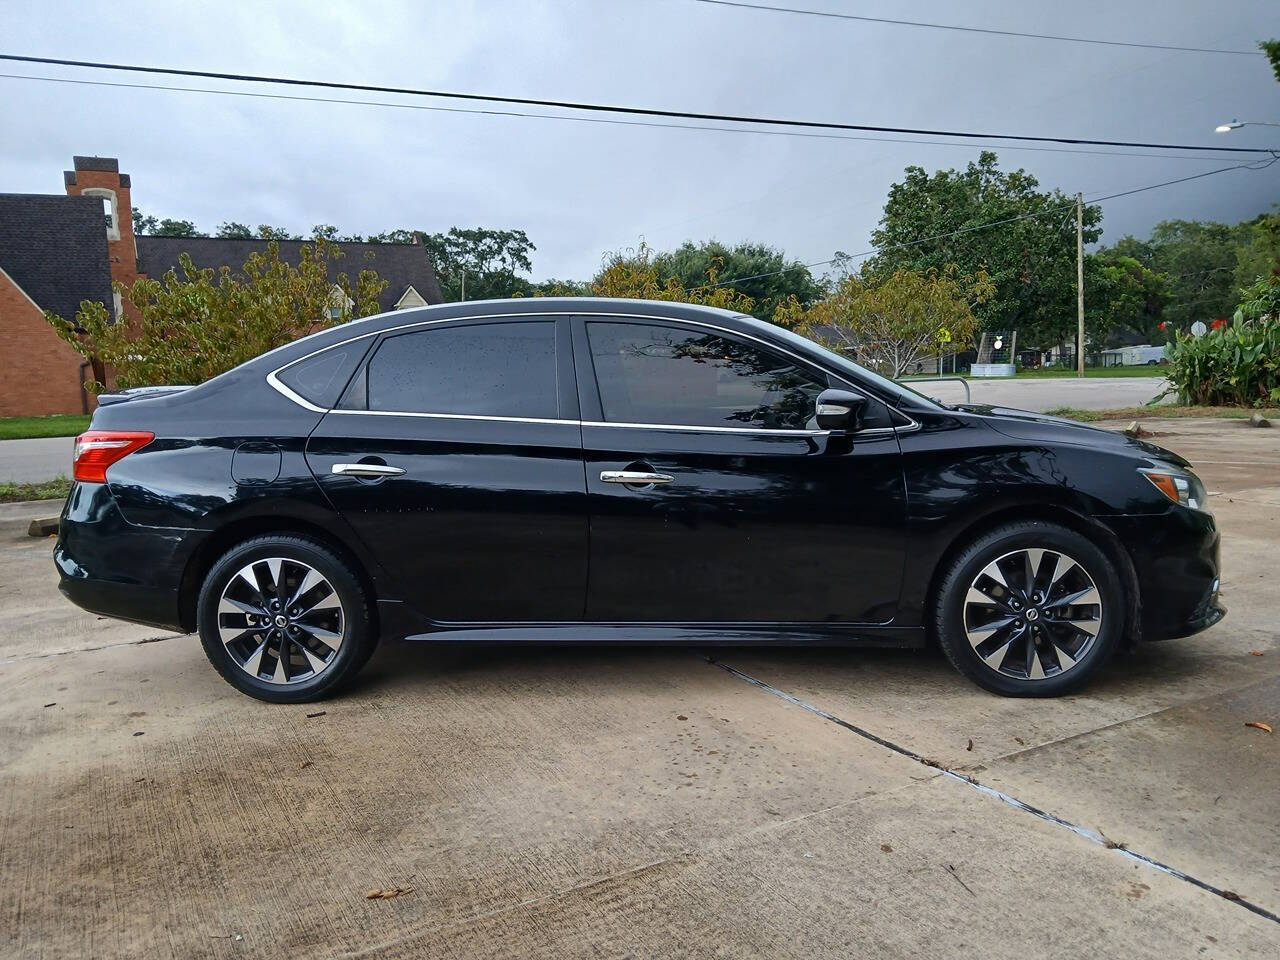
(1237, 124)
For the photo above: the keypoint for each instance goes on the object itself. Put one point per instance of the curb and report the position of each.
(20, 519)
(43, 528)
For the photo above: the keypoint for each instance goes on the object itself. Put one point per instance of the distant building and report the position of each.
(56, 251)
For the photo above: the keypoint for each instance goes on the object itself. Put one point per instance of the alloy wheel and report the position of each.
(281, 620)
(1032, 614)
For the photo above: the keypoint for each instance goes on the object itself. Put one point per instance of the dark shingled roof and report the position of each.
(400, 264)
(55, 249)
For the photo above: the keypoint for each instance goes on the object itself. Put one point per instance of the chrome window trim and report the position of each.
(297, 398)
(452, 416)
(273, 379)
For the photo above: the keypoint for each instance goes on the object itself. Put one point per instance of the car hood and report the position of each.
(1028, 425)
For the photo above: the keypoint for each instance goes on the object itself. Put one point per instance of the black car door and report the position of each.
(456, 455)
(713, 495)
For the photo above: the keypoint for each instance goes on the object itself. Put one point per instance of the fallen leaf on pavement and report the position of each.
(312, 716)
(1259, 725)
(970, 746)
(1021, 741)
(1230, 895)
(388, 894)
(681, 717)
(48, 705)
(1111, 844)
(1255, 653)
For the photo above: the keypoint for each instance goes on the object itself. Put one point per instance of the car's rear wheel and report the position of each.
(284, 619)
(1030, 609)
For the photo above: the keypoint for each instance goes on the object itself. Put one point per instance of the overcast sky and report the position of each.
(582, 188)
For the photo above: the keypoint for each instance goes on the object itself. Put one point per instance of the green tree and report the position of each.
(1272, 49)
(1031, 262)
(198, 325)
(1258, 255)
(392, 236)
(1122, 293)
(268, 232)
(144, 225)
(328, 231)
(632, 274)
(771, 277)
(486, 263)
(892, 322)
(230, 230)
(1200, 261)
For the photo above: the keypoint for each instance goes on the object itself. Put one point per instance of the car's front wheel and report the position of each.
(284, 619)
(1030, 609)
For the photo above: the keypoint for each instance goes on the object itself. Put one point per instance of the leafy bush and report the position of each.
(1236, 363)
(194, 327)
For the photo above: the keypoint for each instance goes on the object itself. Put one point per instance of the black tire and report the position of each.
(1050, 635)
(354, 625)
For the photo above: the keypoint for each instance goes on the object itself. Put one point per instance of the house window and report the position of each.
(109, 209)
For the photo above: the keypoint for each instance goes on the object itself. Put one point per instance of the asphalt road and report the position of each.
(31, 461)
(1085, 393)
(602, 802)
(28, 461)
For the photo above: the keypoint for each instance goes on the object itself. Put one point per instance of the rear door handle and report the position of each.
(365, 470)
(640, 477)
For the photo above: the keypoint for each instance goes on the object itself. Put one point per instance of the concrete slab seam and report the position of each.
(105, 646)
(1084, 832)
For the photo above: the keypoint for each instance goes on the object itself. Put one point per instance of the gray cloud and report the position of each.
(582, 188)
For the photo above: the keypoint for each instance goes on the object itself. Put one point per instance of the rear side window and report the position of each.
(490, 369)
(320, 378)
(669, 375)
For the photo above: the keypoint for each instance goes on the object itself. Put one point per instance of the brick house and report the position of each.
(56, 251)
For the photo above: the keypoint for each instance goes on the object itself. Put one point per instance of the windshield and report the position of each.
(847, 367)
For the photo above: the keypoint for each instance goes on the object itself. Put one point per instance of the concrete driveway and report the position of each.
(600, 802)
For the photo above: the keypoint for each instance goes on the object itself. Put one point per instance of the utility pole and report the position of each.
(464, 288)
(1079, 285)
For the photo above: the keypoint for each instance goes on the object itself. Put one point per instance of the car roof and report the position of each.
(615, 306)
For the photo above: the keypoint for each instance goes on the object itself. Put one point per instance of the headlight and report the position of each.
(1180, 486)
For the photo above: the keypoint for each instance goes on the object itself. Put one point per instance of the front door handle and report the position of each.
(365, 470)
(638, 477)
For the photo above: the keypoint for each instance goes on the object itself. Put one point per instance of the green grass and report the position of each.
(25, 428)
(48, 490)
(1166, 412)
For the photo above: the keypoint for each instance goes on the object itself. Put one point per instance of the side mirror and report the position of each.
(840, 410)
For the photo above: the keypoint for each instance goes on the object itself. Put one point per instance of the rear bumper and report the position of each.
(1176, 559)
(115, 568)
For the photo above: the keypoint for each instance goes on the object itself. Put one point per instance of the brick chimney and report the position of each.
(101, 177)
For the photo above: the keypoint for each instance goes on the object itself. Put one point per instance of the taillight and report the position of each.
(98, 449)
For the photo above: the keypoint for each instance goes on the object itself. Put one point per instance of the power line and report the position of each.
(569, 119)
(987, 30)
(614, 108)
(1065, 205)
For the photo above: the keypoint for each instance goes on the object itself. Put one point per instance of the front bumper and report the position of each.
(114, 568)
(1175, 556)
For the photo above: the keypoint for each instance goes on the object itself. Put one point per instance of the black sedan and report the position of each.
(619, 471)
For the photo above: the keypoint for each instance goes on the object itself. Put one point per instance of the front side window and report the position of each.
(490, 369)
(670, 375)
